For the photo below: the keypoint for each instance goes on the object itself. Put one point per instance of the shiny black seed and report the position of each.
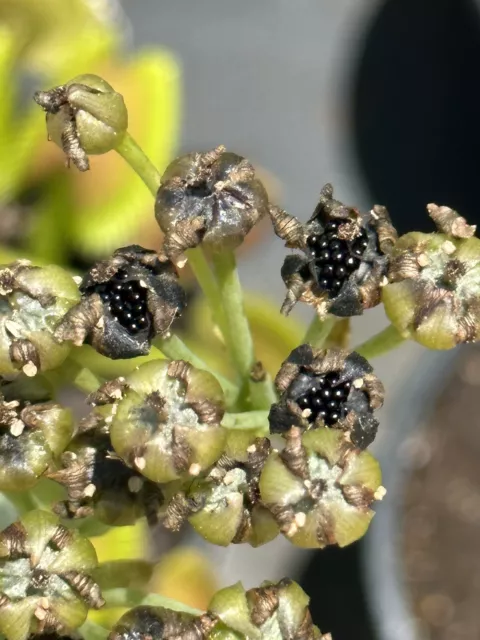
(340, 272)
(331, 226)
(336, 285)
(325, 283)
(325, 393)
(338, 256)
(352, 263)
(333, 378)
(326, 398)
(324, 256)
(327, 269)
(332, 418)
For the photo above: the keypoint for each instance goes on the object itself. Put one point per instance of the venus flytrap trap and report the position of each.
(173, 441)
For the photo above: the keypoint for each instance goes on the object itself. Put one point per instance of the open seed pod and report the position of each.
(32, 437)
(327, 387)
(126, 301)
(224, 506)
(33, 300)
(320, 488)
(434, 292)
(45, 583)
(345, 256)
(167, 423)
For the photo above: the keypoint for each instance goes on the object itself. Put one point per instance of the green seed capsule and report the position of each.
(167, 424)
(45, 584)
(85, 116)
(277, 611)
(32, 437)
(32, 302)
(320, 488)
(433, 295)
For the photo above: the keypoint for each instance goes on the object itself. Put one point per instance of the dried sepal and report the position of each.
(345, 256)
(33, 300)
(32, 437)
(126, 301)
(320, 488)
(167, 424)
(273, 610)
(433, 295)
(45, 578)
(224, 506)
(327, 387)
(84, 116)
(213, 198)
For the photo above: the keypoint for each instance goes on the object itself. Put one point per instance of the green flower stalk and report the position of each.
(45, 583)
(33, 301)
(85, 116)
(32, 437)
(434, 291)
(320, 488)
(166, 425)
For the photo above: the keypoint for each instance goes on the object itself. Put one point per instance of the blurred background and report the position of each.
(376, 96)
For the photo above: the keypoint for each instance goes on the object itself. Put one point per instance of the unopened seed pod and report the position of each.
(320, 488)
(344, 258)
(224, 506)
(98, 482)
(45, 583)
(32, 437)
(85, 116)
(213, 198)
(271, 611)
(327, 387)
(33, 300)
(433, 296)
(167, 423)
(158, 623)
(126, 301)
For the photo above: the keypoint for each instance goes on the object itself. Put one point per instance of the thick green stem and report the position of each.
(238, 338)
(209, 285)
(72, 372)
(247, 420)
(134, 597)
(381, 343)
(93, 631)
(140, 163)
(175, 349)
(319, 330)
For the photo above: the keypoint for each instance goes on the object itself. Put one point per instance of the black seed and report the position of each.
(324, 256)
(325, 283)
(352, 263)
(340, 272)
(331, 226)
(338, 256)
(326, 393)
(336, 285)
(327, 269)
(333, 378)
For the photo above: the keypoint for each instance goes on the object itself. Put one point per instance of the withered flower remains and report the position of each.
(320, 488)
(126, 301)
(32, 302)
(85, 116)
(32, 437)
(97, 481)
(224, 507)
(45, 583)
(167, 423)
(212, 198)
(345, 256)
(434, 291)
(327, 387)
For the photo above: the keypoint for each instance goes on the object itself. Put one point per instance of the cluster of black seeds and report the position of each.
(335, 259)
(126, 300)
(326, 398)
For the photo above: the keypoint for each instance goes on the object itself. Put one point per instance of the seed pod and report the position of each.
(327, 387)
(126, 301)
(99, 483)
(212, 198)
(277, 611)
(33, 300)
(345, 256)
(167, 424)
(158, 623)
(224, 507)
(45, 586)
(434, 291)
(31, 439)
(320, 488)
(85, 116)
